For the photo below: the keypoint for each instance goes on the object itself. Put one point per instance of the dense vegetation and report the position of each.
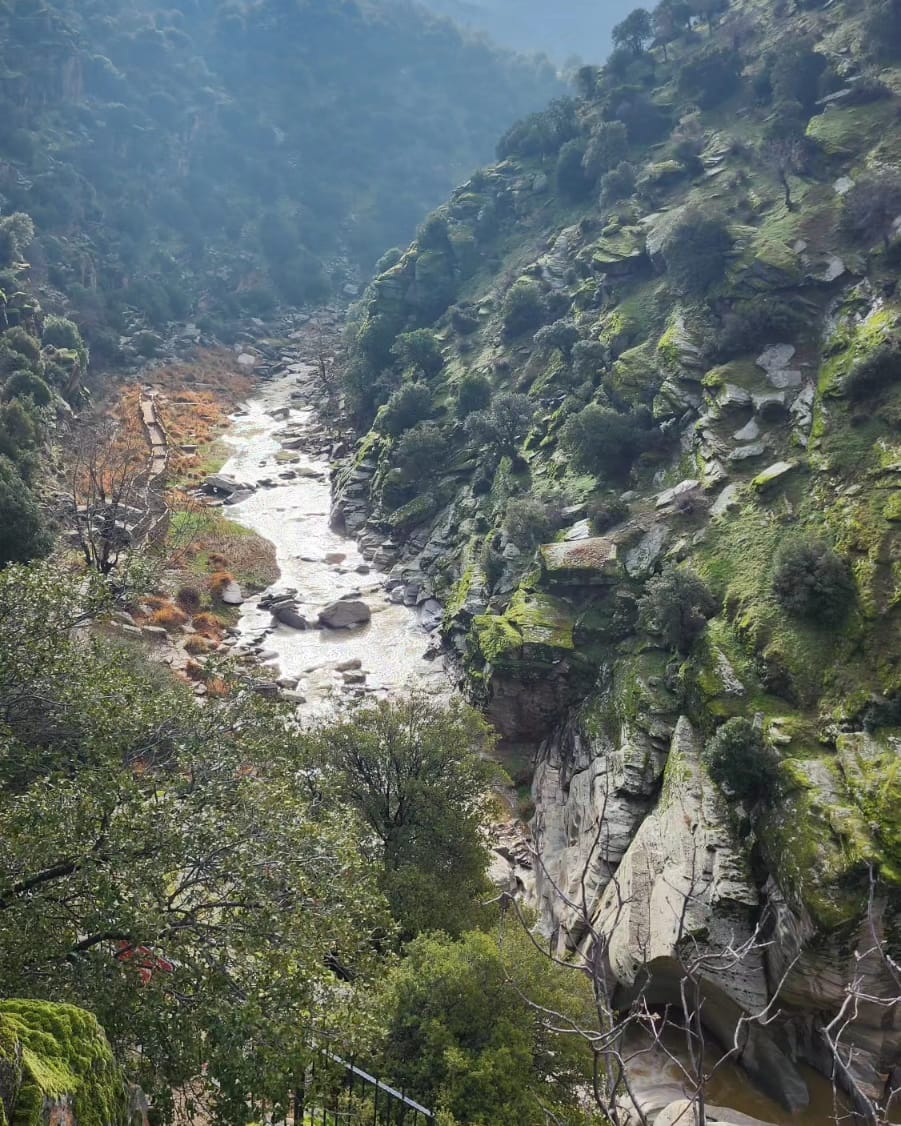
(217, 159)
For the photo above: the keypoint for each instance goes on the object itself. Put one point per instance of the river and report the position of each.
(320, 564)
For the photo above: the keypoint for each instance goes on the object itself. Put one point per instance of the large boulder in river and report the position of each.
(220, 483)
(345, 614)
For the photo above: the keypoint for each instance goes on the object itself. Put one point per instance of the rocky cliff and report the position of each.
(682, 292)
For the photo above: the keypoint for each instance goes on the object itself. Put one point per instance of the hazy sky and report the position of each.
(560, 28)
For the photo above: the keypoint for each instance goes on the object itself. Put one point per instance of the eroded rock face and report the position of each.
(683, 897)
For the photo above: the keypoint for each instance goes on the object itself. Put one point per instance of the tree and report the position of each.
(617, 184)
(873, 204)
(668, 19)
(416, 774)
(523, 308)
(500, 428)
(676, 604)
(696, 251)
(604, 441)
(529, 521)
(422, 451)
(739, 758)
(473, 394)
(606, 147)
(419, 350)
(572, 182)
(811, 581)
(23, 531)
(784, 156)
(408, 405)
(711, 77)
(463, 1033)
(562, 335)
(634, 31)
(164, 863)
(883, 28)
(797, 72)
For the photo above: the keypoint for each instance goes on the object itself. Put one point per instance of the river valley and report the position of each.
(281, 450)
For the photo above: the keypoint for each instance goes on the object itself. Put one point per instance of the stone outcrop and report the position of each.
(57, 1069)
(345, 614)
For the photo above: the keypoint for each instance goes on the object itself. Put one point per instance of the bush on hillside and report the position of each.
(676, 604)
(529, 521)
(573, 182)
(562, 335)
(617, 184)
(878, 369)
(422, 451)
(543, 133)
(883, 28)
(812, 582)
(605, 513)
(419, 350)
(606, 147)
(740, 760)
(872, 205)
(747, 323)
(604, 441)
(711, 77)
(523, 309)
(473, 394)
(501, 427)
(23, 531)
(27, 384)
(589, 360)
(696, 251)
(408, 405)
(463, 319)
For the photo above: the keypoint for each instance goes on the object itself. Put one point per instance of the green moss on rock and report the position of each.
(65, 1056)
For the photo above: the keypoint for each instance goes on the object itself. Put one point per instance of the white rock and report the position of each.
(784, 378)
(232, 595)
(776, 357)
(726, 501)
(748, 432)
(843, 185)
(246, 360)
(682, 489)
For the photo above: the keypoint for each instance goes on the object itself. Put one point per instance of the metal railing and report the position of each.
(338, 1092)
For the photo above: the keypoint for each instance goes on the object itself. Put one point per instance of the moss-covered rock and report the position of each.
(56, 1066)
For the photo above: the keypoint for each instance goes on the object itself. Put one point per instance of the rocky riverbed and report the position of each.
(330, 626)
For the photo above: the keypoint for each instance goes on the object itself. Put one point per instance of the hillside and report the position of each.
(630, 408)
(206, 160)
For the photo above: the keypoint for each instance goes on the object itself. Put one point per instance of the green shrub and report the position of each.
(606, 512)
(696, 251)
(811, 581)
(740, 760)
(562, 335)
(877, 370)
(408, 405)
(23, 531)
(422, 451)
(676, 604)
(419, 350)
(606, 147)
(523, 309)
(500, 428)
(22, 342)
(27, 384)
(604, 441)
(573, 183)
(617, 184)
(711, 77)
(473, 394)
(748, 322)
(463, 320)
(529, 521)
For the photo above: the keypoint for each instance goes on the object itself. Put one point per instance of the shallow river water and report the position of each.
(293, 515)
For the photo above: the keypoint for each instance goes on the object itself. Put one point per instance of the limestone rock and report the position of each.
(220, 483)
(345, 614)
(591, 562)
(683, 491)
(231, 594)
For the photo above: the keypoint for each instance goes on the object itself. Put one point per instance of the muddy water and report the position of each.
(293, 514)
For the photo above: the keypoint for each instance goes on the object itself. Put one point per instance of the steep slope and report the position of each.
(212, 159)
(643, 446)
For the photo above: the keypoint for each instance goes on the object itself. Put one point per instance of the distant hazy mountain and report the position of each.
(560, 29)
